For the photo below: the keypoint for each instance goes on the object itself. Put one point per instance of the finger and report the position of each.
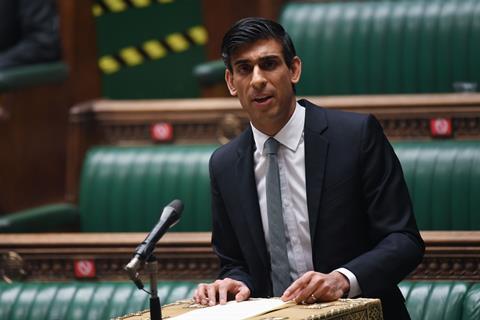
(196, 296)
(293, 290)
(243, 293)
(223, 289)
(200, 294)
(212, 294)
(306, 294)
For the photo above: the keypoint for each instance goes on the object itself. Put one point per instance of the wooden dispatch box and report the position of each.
(343, 309)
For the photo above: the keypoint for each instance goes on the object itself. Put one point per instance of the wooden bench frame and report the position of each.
(188, 256)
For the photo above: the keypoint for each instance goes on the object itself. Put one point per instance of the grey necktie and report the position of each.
(278, 243)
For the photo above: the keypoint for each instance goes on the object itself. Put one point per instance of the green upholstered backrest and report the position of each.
(82, 300)
(430, 300)
(471, 305)
(125, 189)
(425, 300)
(374, 47)
(443, 178)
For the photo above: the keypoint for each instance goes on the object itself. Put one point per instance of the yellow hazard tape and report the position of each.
(198, 34)
(153, 49)
(131, 56)
(108, 64)
(101, 7)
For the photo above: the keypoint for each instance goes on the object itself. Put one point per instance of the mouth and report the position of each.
(262, 99)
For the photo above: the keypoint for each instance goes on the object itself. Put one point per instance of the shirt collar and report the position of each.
(289, 135)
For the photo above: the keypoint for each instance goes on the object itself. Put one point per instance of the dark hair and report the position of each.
(249, 30)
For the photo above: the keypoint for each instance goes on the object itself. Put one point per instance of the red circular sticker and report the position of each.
(84, 268)
(162, 131)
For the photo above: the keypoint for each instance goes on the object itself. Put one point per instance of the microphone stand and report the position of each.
(155, 307)
(151, 266)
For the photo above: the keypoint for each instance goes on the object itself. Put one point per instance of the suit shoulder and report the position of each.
(225, 155)
(333, 118)
(341, 116)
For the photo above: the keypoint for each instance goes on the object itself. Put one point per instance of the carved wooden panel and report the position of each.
(52, 257)
(189, 256)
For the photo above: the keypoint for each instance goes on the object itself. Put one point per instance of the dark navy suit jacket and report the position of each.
(359, 209)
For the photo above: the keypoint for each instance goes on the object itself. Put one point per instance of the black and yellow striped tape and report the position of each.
(153, 49)
(101, 7)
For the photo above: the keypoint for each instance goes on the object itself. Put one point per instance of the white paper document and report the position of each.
(234, 310)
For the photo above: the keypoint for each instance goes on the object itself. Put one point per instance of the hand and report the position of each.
(206, 293)
(314, 286)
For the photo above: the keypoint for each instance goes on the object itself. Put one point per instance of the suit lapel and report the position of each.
(247, 189)
(316, 149)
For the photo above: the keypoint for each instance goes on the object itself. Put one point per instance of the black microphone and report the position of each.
(170, 216)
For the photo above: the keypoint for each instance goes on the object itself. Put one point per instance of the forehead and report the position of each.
(257, 50)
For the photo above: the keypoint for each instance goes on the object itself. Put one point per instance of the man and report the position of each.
(348, 229)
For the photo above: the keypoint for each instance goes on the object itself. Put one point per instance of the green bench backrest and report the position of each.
(427, 300)
(126, 188)
(443, 178)
(82, 300)
(385, 47)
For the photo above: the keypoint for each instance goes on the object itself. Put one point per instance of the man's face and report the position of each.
(263, 83)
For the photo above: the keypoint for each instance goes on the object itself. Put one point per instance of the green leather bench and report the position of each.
(443, 178)
(104, 300)
(125, 188)
(82, 300)
(31, 75)
(450, 300)
(379, 47)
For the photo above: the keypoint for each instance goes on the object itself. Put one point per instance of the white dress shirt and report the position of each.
(291, 162)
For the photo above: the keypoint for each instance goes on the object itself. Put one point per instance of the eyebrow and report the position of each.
(268, 57)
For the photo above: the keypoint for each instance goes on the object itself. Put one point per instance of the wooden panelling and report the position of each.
(33, 139)
(219, 15)
(187, 256)
(34, 121)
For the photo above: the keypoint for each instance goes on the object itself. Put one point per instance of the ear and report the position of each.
(295, 70)
(229, 81)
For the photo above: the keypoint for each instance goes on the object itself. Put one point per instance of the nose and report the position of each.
(258, 79)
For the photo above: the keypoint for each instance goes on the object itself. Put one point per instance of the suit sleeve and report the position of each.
(397, 245)
(224, 240)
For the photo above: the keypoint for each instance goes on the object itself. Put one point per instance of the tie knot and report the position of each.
(271, 146)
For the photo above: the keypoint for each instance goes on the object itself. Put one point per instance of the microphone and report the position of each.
(169, 217)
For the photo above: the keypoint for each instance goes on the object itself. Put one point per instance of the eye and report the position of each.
(243, 68)
(269, 64)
